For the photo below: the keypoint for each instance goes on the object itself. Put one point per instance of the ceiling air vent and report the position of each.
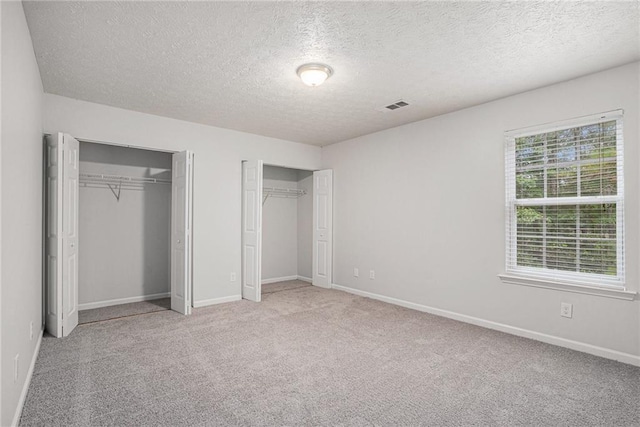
(396, 105)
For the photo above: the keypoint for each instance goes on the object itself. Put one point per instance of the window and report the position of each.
(564, 200)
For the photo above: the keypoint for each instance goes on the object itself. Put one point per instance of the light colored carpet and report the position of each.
(312, 356)
(289, 285)
(123, 310)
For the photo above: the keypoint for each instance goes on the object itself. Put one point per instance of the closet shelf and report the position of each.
(289, 193)
(116, 183)
(90, 178)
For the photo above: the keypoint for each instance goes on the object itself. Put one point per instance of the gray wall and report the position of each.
(125, 244)
(21, 201)
(287, 226)
(217, 176)
(423, 205)
(279, 226)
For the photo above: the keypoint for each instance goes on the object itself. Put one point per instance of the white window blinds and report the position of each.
(564, 201)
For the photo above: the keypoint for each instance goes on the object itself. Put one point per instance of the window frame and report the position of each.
(592, 283)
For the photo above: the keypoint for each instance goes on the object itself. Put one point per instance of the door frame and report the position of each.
(285, 166)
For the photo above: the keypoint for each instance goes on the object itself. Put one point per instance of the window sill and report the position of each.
(568, 287)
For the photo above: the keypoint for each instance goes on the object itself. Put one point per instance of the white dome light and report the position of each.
(314, 74)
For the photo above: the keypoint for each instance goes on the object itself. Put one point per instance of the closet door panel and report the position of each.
(252, 230)
(322, 227)
(54, 240)
(181, 207)
(70, 232)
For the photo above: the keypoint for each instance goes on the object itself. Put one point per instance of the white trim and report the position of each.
(555, 278)
(538, 336)
(278, 279)
(565, 277)
(305, 279)
(121, 144)
(207, 302)
(109, 303)
(564, 124)
(569, 287)
(27, 382)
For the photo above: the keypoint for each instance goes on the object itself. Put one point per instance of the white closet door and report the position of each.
(63, 168)
(181, 247)
(322, 227)
(70, 232)
(252, 230)
(54, 241)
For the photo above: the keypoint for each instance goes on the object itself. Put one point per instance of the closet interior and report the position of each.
(287, 228)
(124, 222)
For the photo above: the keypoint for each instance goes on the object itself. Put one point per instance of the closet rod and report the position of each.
(289, 193)
(120, 179)
(295, 192)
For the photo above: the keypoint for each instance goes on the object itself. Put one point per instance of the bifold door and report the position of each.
(181, 236)
(62, 234)
(322, 228)
(252, 230)
(61, 251)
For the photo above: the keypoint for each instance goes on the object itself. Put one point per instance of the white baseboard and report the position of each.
(279, 279)
(207, 302)
(305, 279)
(526, 333)
(27, 382)
(108, 303)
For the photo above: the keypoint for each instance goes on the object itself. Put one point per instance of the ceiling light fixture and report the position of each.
(314, 74)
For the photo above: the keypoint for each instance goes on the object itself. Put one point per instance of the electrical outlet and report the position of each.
(372, 274)
(31, 331)
(566, 309)
(233, 277)
(356, 272)
(16, 361)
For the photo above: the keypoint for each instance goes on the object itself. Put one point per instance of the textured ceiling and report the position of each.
(232, 64)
